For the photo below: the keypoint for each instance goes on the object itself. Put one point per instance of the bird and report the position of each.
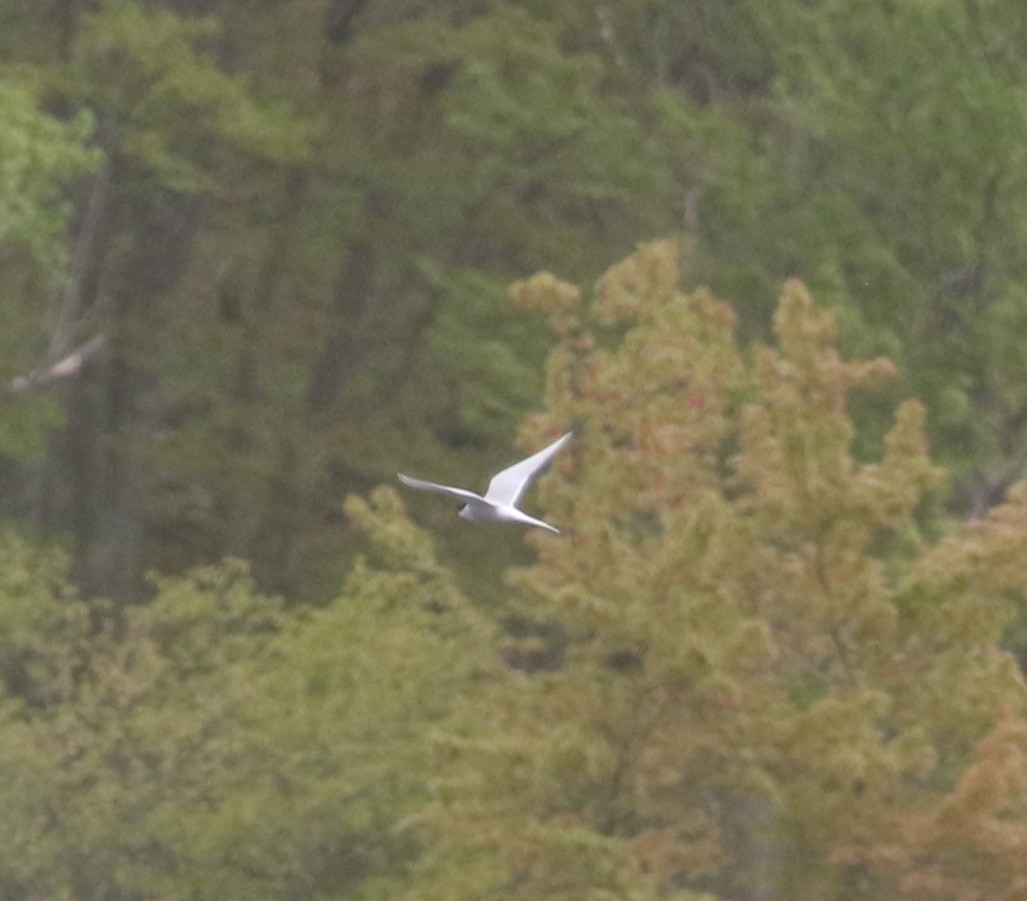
(505, 490)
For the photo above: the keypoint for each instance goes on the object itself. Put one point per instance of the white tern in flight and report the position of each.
(506, 488)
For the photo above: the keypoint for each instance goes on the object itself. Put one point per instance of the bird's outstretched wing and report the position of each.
(508, 486)
(441, 489)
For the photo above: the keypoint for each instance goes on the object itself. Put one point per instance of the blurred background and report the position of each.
(258, 255)
(295, 225)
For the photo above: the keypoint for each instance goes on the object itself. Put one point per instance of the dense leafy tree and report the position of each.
(747, 670)
(39, 155)
(972, 842)
(300, 249)
(209, 745)
(766, 663)
(890, 163)
(307, 212)
(759, 665)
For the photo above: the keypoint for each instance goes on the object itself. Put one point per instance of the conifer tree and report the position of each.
(765, 661)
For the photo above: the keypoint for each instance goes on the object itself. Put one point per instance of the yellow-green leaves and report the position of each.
(744, 666)
(761, 665)
(214, 744)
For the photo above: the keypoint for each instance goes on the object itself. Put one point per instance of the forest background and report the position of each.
(256, 256)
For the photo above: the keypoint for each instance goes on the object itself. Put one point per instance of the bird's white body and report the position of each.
(499, 503)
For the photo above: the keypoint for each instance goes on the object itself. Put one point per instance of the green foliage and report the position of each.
(273, 203)
(212, 744)
(38, 155)
(744, 667)
(367, 326)
(512, 145)
(140, 71)
(25, 427)
(749, 668)
(549, 142)
(766, 663)
(890, 160)
(477, 339)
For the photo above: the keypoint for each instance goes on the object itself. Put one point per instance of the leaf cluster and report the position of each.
(767, 661)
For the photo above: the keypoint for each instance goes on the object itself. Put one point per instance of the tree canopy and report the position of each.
(766, 666)
(301, 218)
(256, 257)
(751, 667)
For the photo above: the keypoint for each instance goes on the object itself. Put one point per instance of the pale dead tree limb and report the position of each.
(66, 368)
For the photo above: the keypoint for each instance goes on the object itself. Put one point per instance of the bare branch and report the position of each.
(38, 379)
